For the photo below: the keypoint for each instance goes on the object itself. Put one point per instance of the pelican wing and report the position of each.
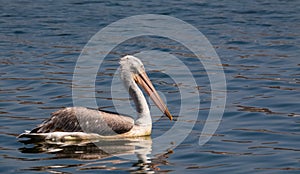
(80, 119)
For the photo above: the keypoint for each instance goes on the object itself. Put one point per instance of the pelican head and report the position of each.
(133, 73)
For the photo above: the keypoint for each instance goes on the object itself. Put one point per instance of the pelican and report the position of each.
(75, 123)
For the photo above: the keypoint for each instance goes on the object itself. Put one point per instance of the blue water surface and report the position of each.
(257, 42)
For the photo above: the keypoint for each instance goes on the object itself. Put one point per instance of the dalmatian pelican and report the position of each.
(74, 123)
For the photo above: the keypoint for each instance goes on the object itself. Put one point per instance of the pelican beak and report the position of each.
(143, 80)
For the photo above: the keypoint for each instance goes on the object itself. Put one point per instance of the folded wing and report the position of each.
(80, 119)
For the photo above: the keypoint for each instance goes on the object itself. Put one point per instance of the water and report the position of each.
(258, 44)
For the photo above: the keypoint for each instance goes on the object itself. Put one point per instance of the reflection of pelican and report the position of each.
(90, 152)
(71, 123)
(93, 149)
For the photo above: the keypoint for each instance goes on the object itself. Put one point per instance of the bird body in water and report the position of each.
(82, 123)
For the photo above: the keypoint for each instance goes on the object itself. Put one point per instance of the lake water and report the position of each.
(258, 45)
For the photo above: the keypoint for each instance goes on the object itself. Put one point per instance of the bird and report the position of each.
(73, 123)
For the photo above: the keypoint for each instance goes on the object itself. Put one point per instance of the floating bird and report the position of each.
(75, 123)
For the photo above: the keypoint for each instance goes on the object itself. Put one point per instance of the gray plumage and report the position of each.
(80, 119)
